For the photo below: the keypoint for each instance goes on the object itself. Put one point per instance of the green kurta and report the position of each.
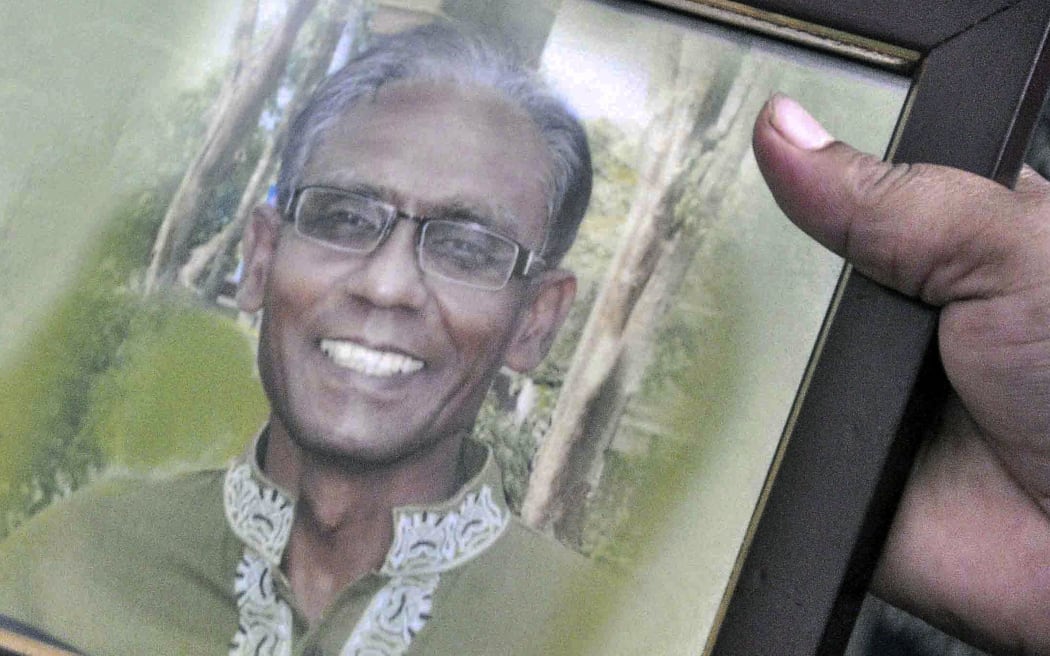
(191, 566)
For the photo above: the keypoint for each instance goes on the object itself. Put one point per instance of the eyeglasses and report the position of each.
(455, 250)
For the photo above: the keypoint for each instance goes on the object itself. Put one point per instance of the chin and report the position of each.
(348, 450)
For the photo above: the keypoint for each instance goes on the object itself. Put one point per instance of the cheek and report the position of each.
(271, 368)
(295, 287)
(480, 326)
(292, 295)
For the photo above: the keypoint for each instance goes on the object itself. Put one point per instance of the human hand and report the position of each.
(970, 549)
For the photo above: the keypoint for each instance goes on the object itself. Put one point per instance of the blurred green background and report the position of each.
(100, 107)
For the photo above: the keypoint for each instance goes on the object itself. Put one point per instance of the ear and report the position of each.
(541, 319)
(258, 247)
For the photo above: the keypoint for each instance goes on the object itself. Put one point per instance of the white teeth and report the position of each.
(368, 361)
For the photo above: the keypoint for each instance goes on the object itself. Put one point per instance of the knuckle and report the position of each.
(883, 198)
(878, 184)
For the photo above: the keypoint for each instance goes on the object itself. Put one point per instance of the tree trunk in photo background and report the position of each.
(240, 50)
(213, 255)
(237, 115)
(694, 148)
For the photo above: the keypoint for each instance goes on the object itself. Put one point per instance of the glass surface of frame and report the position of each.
(716, 347)
(719, 340)
(871, 392)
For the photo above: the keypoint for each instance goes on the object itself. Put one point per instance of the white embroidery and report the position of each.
(261, 517)
(265, 623)
(397, 613)
(426, 541)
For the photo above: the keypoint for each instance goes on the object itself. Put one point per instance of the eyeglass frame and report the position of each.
(527, 262)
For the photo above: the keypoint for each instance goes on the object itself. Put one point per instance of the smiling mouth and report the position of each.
(369, 362)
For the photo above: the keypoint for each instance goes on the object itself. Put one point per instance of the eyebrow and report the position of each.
(456, 208)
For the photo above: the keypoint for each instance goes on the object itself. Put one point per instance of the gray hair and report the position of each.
(440, 52)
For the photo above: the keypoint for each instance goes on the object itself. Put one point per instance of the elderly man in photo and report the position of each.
(425, 199)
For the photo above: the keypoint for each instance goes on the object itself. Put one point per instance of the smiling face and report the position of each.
(364, 356)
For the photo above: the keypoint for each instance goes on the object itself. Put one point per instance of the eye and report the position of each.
(341, 227)
(465, 250)
(344, 221)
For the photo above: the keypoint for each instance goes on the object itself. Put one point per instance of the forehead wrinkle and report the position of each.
(361, 187)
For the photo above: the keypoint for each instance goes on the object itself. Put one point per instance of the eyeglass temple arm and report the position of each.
(527, 263)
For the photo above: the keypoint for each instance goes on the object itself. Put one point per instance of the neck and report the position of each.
(343, 525)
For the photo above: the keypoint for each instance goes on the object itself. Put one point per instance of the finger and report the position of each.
(928, 231)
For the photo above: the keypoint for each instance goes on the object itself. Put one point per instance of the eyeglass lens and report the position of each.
(454, 250)
(346, 221)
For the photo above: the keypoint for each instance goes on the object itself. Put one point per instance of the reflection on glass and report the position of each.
(698, 306)
(708, 317)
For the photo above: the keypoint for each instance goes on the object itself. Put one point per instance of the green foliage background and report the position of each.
(115, 381)
(101, 113)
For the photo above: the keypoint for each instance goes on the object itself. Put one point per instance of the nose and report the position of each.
(390, 275)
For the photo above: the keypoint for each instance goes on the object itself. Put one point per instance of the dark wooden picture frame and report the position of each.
(980, 72)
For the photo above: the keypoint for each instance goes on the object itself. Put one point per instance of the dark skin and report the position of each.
(355, 436)
(970, 547)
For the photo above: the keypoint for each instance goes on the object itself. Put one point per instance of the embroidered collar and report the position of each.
(428, 540)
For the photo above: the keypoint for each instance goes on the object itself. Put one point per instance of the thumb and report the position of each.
(927, 231)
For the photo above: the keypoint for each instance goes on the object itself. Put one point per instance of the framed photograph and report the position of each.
(727, 415)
